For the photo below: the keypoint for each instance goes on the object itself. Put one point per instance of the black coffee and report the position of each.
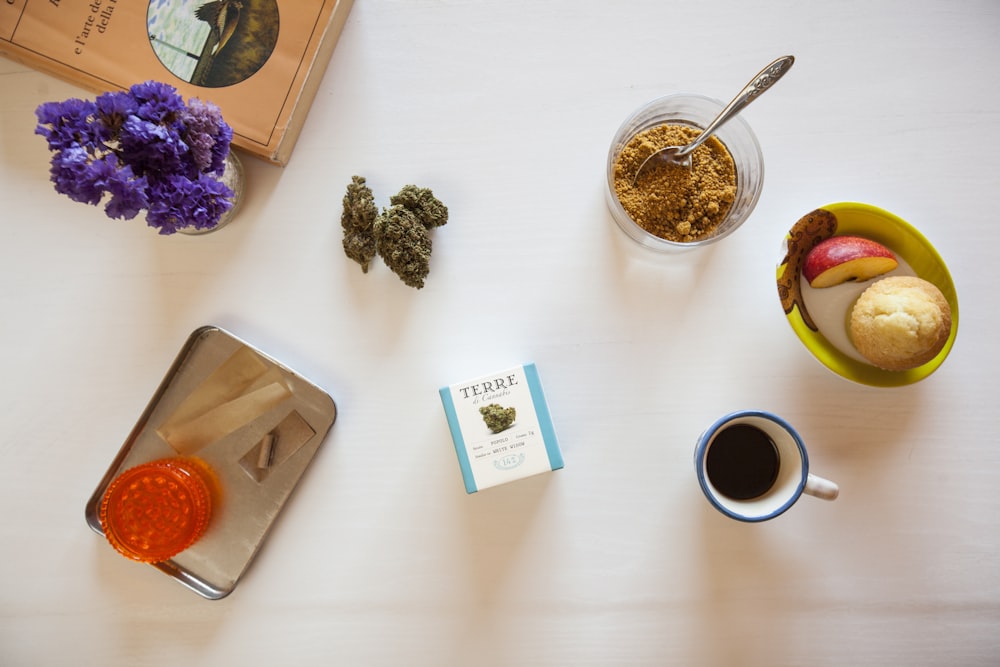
(742, 462)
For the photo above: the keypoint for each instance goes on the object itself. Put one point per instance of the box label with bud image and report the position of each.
(501, 427)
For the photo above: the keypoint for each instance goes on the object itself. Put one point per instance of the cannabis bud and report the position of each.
(427, 208)
(404, 245)
(358, 221)
(400, 234)
(497, 417)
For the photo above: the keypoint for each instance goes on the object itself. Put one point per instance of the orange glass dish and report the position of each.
(156, 510)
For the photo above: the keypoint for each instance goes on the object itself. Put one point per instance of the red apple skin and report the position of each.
(839, 259)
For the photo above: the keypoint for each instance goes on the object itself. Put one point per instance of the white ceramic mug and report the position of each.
(793, 476)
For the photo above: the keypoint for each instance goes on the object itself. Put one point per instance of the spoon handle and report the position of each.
(764, 80)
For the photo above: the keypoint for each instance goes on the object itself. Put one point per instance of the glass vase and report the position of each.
(235, 179)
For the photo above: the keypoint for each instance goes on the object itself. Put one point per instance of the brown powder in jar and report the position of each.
(673, 202)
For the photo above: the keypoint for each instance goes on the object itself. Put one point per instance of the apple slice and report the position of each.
(839, 259)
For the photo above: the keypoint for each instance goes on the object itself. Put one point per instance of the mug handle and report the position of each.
(821, 488)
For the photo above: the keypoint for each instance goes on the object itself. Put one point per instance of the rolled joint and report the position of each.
(266, 454)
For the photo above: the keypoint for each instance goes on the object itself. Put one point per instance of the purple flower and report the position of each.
(153, 149)
(157, 101)
(141, 149)
(74, 175)
(66, 124)
(207, 135)
(129, 195)
(176, 203)
(112, 110)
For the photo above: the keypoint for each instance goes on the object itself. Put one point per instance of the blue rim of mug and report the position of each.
(699, 456)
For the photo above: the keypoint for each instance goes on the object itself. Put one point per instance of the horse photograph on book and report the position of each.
(213, 44)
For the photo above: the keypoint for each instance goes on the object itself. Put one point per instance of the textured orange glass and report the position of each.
(153, 511)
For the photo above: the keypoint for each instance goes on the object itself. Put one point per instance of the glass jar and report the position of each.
(233, 176)
(695, 111)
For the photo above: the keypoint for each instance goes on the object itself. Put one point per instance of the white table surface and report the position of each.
(506, 110)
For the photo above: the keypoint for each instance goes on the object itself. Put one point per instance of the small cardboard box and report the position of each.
(501, 427)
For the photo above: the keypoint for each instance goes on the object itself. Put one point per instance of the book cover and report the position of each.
(260, 61)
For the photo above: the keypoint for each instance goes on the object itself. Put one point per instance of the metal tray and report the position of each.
(252, 487)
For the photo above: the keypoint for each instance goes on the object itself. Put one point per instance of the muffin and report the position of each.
(900, 322)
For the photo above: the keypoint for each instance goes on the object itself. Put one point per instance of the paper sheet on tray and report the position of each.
(236, 393)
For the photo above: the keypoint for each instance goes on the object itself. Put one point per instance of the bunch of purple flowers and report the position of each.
(145, 148)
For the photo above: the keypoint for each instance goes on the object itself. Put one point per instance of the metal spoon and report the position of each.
(681, 155)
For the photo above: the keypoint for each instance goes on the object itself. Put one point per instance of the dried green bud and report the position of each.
(404, 245)
(497, 417)
(358, 221)
(423, 204)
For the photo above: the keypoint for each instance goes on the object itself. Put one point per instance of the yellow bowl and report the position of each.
(819, 316)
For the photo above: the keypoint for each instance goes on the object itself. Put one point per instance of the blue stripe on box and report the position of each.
(457, 439)
(544, 418)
